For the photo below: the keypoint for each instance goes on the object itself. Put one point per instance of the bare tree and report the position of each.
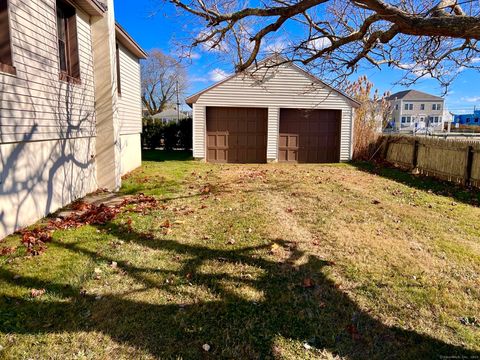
(427, 38)
(162, 76)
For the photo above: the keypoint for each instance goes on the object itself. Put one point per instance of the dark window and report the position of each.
(422, 106)
(6, 63)
(119, 84)
(67, 42)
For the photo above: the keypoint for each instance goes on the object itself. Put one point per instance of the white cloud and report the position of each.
(472, 99)
(217, 74)
(197, 79)
(320, 43)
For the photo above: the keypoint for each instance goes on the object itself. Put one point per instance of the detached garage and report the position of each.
(267, 113)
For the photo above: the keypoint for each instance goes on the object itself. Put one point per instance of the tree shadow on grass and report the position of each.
(470, 196)
(322, 316)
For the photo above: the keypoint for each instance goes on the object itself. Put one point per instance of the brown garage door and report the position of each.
(309, 136)
(236, 135)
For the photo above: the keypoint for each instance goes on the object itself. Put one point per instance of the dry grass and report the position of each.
(262, 261)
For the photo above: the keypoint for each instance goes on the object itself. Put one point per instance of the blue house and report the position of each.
(468, 119)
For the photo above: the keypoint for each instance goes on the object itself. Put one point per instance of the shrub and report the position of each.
(151, 134)
(174, 135)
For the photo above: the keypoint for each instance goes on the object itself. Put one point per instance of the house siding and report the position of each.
(129, 102)
(35, 104)
(199, 131)
(47, 126)
(129, 111)
(284, 87)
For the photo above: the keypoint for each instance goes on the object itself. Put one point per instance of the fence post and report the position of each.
(385, 148)
(416, 144)
(468, 168)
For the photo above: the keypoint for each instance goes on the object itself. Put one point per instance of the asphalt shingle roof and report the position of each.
(413, 95)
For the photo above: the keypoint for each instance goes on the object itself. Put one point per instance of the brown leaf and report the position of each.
(37, 292)
(166, 224)
(353, 331)
(7, 250)
(308, 283)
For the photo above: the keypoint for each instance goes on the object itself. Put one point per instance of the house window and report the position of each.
(6, 61)
(396, 106)
(408, 107)
(404, 119)
(422, 106)
(436, 106)
(67, 42)
(119, 84)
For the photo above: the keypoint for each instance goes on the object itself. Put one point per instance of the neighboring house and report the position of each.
(70, 110)
(272, 113)
(412, 109)
(171, 115)
(468, 119)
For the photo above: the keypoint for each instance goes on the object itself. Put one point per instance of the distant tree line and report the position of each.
(167, 136)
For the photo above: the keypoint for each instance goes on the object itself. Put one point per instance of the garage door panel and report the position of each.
(251, 126)
(309, 135)
(244, 132)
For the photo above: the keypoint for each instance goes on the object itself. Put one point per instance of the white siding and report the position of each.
(273, 129)
(283, 87)
(129, 102)
(130, 152)
(199, 131)
(35, 104)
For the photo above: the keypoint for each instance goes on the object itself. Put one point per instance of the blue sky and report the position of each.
(155, 25)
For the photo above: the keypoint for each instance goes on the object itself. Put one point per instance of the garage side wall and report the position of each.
(199, 131)
(281, 87)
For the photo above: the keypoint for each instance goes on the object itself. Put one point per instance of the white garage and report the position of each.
(265, 114)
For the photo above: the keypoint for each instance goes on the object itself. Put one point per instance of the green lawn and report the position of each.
(257, 261)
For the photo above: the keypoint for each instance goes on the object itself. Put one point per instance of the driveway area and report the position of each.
(254, 262)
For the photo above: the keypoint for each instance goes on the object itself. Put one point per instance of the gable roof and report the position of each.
(126, 40)
(413, 95)
(280, 60)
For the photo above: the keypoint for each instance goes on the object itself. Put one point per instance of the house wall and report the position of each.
(416, 112)
(275, 88)
(47, 127)
(130, 111)
(130, 152)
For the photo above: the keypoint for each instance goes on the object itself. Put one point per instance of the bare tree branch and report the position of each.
(436, 38)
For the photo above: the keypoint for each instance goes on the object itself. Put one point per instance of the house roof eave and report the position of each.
(91, 7)
(126, 40)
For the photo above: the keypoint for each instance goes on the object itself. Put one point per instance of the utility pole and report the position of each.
(178, 104)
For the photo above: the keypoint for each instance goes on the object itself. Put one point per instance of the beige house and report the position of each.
(272, 113)
(170, 114)
(412, 109)
(70, 110)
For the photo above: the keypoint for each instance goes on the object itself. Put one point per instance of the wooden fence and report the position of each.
(452, 160)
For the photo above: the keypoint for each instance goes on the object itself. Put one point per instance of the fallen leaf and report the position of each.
(308, 283)
(37, 292)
